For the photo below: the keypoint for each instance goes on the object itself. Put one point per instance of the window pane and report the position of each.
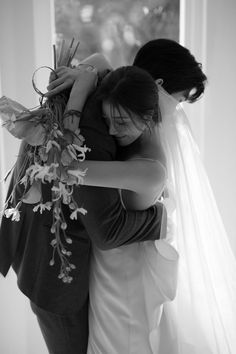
(115, 28)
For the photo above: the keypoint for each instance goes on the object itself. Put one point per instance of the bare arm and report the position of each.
(83, 86)
(99, 61)
(138, 175)
(67, 76)
(107, 222)
(134, 175)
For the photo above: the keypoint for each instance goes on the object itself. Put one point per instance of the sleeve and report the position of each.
(108, 224)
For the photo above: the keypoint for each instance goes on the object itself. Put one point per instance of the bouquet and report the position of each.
(51, 149)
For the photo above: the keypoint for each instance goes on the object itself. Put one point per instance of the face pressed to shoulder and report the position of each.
(127, 128)
(122, 126)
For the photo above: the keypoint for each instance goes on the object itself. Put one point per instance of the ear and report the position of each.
(159, 82)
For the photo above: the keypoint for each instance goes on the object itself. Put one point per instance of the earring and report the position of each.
(159, 82)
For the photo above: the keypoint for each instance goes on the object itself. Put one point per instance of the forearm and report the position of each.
(136, 175)
(73, 110)
(77, 100)
(82, 88)
(99, 61)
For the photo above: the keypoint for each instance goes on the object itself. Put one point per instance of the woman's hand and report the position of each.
(64, 77)
(61, 79)
(84, 85)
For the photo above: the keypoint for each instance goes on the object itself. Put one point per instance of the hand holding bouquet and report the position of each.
(52, 147)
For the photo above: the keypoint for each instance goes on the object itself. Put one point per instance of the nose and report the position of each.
(112, 129)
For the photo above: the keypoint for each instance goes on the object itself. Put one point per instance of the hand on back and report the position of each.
(64, 78)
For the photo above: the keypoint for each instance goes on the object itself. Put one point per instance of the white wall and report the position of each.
(220, 124)
(209, 32)
(25, 44)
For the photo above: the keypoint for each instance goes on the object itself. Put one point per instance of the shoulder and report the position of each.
(95, 131)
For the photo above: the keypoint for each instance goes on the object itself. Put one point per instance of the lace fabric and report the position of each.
(202, 317)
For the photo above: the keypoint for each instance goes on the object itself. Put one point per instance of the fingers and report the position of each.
(54, 91)
(55, 73)
(65, 77)
(55, 83)
(52, 76)
(61, 69)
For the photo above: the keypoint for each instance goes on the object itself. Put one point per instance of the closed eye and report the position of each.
(121, 121)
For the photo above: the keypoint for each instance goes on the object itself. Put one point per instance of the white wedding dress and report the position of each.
(131, 287)
(128, 287)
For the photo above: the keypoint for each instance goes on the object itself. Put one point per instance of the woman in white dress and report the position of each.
(130, 285)
(124, 281)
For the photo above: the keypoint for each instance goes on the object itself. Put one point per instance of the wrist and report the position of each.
(71, 119)
(72, 113)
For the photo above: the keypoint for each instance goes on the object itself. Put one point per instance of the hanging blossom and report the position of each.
(42, 207)
(42, 172)
(13, 213)
(74, 214)
(51, 151)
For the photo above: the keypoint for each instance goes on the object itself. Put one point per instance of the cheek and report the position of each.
(135, 133)
(120, 130)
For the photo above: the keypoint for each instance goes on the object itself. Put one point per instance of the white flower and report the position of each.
(32, 171)
(42, 207)
(13, 213)
(64, 226)
(50, 144)
(80, 151)
(47, 173)
(43, 173)
(71, 150)
(78, 174)
(73, 215)
(83, 211)
(56, 132)
(62, 191)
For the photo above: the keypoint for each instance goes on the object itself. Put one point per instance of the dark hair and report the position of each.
(134, 90)
(168, 60)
